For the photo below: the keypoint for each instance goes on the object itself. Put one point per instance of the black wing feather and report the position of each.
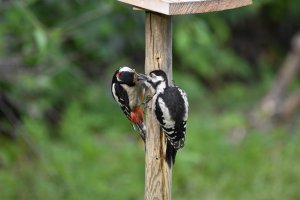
(176, 135)
(122, 98)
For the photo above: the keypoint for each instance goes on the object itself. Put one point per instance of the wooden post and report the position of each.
(159, 56)
(158, 176)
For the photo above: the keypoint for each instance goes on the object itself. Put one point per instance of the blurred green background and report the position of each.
(62, 136)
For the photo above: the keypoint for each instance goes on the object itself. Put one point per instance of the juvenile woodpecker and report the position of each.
(128, 92)
(170, 106)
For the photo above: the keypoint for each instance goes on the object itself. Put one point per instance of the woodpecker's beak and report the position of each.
(143, 77)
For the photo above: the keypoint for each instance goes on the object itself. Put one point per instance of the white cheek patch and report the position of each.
(161, 87)
(156, 79)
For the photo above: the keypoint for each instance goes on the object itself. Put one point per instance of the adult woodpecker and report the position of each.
(128, 92)
(170, 106)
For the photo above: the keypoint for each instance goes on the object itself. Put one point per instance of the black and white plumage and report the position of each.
(170, 105)
(128, 92)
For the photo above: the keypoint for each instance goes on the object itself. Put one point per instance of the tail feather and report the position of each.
(170, 154)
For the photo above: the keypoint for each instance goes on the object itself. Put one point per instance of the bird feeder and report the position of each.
(158, 55)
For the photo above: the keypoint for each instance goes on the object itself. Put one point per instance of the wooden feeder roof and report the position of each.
(181, 7)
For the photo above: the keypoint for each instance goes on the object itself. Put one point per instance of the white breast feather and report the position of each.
(132, 95)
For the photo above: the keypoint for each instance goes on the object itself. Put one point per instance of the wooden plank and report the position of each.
(205, 6)
(180, 7)
(158, 49)
(138, 8)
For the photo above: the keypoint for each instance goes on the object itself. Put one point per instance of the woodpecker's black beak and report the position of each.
(143, 77)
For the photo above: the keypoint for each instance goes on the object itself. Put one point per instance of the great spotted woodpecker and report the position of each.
(170, 106)
(128, 92)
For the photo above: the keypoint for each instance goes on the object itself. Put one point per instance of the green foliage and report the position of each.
(202, 48)
(92, 160)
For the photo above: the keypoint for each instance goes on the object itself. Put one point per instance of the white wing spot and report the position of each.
(186, 103)
(114, 92)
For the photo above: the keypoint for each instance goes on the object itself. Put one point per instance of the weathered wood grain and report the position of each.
(180, 7)
(158, 176)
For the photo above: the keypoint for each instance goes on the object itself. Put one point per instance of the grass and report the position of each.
(97, 155)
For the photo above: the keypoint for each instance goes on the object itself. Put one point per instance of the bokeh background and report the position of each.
(62, 136)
